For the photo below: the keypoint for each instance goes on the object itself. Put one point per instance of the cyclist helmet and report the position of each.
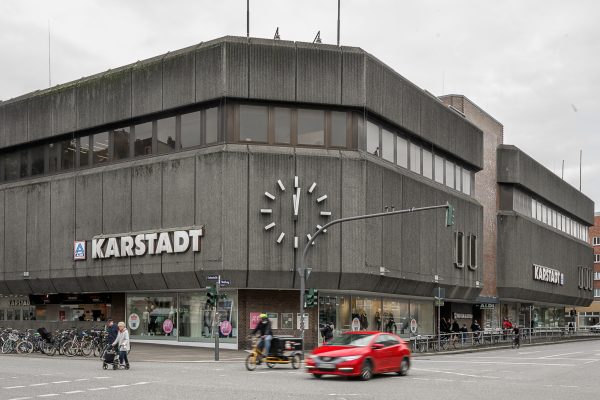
(264, 316)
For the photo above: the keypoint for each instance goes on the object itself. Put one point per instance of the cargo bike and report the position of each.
(284, 350)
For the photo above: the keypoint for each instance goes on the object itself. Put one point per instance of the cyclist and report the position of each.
(517, 339)
(266, 334)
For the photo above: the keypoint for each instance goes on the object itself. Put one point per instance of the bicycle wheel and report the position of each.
(48, 349)
(296, 361)
(7, 347)
(69, 350)
(24, 347)
(86, 349)
(251, 362)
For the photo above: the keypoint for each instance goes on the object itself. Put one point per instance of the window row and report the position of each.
(408, 154)
(597, 276)
(596, 292)
(597, 258)
(586, 278)
(153, 137)
(465, 250)
(295, 126)
(527, 205)
(596, 241)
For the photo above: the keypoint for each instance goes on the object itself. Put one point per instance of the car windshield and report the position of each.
(358, 340)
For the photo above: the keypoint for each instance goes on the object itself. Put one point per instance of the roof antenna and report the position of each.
(317, 38)
(277, 37)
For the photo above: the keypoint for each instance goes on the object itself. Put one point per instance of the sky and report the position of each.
(533, 65)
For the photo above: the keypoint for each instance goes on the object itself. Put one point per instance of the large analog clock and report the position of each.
(297, 197)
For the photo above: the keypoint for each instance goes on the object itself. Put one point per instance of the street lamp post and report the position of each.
(302, 268)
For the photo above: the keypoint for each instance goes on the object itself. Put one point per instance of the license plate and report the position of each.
(326, 366)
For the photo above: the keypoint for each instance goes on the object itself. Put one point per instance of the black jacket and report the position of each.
(264, 328)
(113, 331)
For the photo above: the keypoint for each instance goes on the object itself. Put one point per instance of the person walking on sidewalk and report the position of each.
(122, 341)
(111, 332)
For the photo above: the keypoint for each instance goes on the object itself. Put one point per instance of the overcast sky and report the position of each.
(533, 65)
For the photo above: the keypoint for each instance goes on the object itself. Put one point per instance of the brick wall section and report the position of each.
(273, 301)
(486, 186)
(594, 231)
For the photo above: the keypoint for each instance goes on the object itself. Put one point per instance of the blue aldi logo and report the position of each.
(79, 250)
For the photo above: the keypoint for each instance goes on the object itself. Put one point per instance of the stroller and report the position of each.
(109, 357)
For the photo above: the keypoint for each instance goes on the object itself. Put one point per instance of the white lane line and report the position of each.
(140, 383)
(48, 395)
(420, 379)
(343, 394)
(100, 388)
(564, 354)
(40, 384)
(500, 362)
(456, 373)
(73, 392)
(82, 379)
(13, 387)
(592, 361)
(62, 382)
(444, 380)
(101, 377)
(20, 398)
(119, 386)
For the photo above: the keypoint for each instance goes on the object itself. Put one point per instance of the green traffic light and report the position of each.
(450, 215)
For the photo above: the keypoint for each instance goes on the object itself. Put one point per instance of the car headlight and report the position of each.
(350, 358)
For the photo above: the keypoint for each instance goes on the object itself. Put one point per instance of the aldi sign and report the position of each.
(79, 250)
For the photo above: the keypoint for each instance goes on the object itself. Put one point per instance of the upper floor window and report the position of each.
(211, 125)
(415, 158)
(311, 127)
(190, 129)
(387, 145)
(166, 133)
(100, 148)
(427, 164)
(373, 139)
(282, 118)
(253, 123)
(439, 169)
(339, 129)
(402, 152)
(143, 139)
(596, 240)
(459, 249)
(120, 143)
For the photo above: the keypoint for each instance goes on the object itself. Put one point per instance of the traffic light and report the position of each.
(211, 296)
(449, 215)
(310, 298)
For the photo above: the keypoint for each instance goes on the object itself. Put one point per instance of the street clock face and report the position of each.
(297, 196)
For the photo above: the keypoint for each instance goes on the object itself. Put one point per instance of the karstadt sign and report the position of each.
(151, 243)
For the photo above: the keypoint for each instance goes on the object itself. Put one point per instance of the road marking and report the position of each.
(20, 398)
(343, 394)
(40, 384)
(420, 379)
(100, 388)
(73, 392)
(140, 383)
(592, 361)
(48, 395)
(101, 377)
(500, 362)
(456, 373)
(13, 387)
(62, 382)
(564, 354)
(118, 386)
(82, 379)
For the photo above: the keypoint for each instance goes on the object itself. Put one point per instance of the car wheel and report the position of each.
(404, 365)
(366, 372)
(318, 376)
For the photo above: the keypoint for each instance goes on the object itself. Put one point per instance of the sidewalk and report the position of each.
(145, 352)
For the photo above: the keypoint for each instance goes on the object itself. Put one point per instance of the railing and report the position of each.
(495, 337)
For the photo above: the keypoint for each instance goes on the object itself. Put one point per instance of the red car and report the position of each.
(360, 354)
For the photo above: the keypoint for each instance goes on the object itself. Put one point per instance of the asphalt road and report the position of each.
(560, 371)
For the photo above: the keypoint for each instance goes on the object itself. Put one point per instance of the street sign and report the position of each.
(212, 277)
(438, 302)
(225, 282)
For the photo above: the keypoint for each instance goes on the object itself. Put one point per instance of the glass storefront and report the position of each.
(374, 313)
(185, 317)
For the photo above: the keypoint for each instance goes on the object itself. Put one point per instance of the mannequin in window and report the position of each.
(364, 322)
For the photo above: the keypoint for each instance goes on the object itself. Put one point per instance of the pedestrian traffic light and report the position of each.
(449, 215)
(211, 296)
(310, 298)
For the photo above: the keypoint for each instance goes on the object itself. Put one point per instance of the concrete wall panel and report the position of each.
(15, 123)
(353, 77)
(236, 68)
(38, 230)
(319, 73)
(118, 86)
(373, 228)
(147, 87)
(179, 82)
(265, 168)
(91, 101)
(64, 109)
(324, 169)
(411, 230)
(15, 222)
(392, 105)
(392, 226)
(374, 82)
(411, 107)
(210, 78)
(430, 110)
(2, 127)
(3, 287)
(272, 70)
(40, 117)
(428, 220)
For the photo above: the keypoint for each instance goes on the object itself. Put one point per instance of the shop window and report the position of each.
(283, 124)
(402, 152)
(449, 174)
(373, 139)
(153, 316)
(311, 127)
(427, 164)
(459, 249)
(143, 139)
(334, 310)
(415, 158)
(165, 135)
(196, 318)
(67, 158)
(438, 170)
(211, 125)
(84, 151)
(366, 314)
(387, 145)
(121, 143)
(190, 130)
(422, 312)
(100, 147)
(338, 129)
(395, 317)
(253, 124)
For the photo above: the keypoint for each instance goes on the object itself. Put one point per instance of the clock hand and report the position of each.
(296, 199)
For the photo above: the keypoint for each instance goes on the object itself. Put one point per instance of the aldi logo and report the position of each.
(79, 250)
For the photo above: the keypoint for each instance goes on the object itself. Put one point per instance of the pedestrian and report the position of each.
(476, 329)
(122, 342)
(327, 332)
(464, 331)
(455, 327)
(111, 331)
